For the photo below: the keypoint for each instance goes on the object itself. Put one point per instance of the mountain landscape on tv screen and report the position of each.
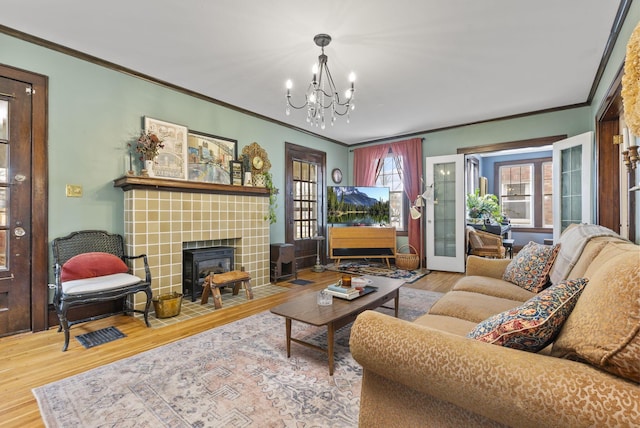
(354, 205)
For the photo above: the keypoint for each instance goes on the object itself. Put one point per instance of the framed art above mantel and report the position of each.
(171, 161)
(208, 157)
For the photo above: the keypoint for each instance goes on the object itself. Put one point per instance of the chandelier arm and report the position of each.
(336, 95)
(295, 106)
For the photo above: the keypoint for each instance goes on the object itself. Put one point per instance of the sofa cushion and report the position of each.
(604, 328)
(530, 268)
(589, 253)
(473, 307)
(534, 324)
(91, 265)
(493, 287)
(572, 242)
(453, 325)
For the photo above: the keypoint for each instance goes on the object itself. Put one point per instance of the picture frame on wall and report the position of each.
(171, 161)
(236, 172)
(208, 157)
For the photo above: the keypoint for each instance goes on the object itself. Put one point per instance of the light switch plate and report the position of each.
(74, 191)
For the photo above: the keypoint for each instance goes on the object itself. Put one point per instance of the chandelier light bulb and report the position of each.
(352, 77)
(289, 84)
(347, 94)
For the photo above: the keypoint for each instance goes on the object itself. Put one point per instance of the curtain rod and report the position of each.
(421, 139)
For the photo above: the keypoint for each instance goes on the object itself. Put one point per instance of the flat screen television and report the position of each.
(358, 205)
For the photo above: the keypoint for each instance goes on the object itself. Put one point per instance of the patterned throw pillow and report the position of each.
(531, 266)
(534, 324)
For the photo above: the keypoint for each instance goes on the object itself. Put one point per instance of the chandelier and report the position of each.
(322, 94)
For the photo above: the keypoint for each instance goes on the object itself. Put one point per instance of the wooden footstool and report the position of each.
(213, 282)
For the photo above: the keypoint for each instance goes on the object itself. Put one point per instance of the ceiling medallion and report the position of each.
(322, 94)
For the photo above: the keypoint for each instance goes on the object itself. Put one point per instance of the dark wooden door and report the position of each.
(23, 295)
(304, 202)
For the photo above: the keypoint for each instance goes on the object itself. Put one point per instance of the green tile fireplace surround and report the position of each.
(163, 216)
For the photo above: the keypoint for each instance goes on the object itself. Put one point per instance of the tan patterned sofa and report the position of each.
(427, 373)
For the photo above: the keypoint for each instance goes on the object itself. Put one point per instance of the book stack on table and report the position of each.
(342, 292)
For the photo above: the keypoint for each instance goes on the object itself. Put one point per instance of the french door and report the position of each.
(572, 182)
(23, 213)
(304, 209)
(446, 213)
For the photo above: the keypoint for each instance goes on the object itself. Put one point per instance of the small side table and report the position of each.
(283, 261)
(213, 282)
(508, 245)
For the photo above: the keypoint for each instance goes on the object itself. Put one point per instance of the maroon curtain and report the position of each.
(411, 153)
(365, 164)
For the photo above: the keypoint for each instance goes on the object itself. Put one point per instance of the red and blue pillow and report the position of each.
(534, 324)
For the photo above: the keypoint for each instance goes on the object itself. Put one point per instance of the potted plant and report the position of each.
(273, 199)
(148, 145)
(483, 208)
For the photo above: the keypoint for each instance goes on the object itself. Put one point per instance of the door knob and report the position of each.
(18, 231)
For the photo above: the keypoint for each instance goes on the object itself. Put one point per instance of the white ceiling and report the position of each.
(420, 64)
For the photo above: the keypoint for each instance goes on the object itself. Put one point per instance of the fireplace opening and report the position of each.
(199, 262)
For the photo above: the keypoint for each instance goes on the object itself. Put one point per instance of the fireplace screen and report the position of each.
(200, 262)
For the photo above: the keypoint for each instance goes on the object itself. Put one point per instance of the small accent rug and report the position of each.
(301, 282)
(236, 375)
(378, 269)
(98, 337)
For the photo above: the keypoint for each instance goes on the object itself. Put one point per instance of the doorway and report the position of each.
(304, 203)
(616, 208)
(23, 202)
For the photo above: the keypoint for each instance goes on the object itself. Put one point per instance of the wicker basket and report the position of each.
(407, 261)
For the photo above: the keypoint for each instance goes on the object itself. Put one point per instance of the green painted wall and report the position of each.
(95, 111)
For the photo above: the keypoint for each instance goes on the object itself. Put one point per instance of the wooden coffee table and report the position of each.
(306, 309)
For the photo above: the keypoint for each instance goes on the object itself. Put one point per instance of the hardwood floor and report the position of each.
(30, 360)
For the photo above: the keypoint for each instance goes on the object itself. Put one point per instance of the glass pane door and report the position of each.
(445, 214)
(572, 181)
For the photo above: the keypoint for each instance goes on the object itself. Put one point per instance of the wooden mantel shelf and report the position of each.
(127, 183)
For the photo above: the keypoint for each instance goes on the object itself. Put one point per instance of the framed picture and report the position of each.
(171, 161)
(236, 172)
(208, 157)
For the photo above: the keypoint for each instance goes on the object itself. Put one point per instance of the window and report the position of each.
(547, 194)
(305, 199)
(516, 193)
(389, 176)
(525, 192)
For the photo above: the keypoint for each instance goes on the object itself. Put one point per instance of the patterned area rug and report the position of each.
(236, 375)
(378, 269)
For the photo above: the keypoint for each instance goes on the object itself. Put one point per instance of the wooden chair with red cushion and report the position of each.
(90, 266)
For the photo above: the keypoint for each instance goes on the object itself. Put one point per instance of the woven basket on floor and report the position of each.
(407, 261)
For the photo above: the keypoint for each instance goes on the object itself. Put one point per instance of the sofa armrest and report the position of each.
(512, 387)
(481, 266)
